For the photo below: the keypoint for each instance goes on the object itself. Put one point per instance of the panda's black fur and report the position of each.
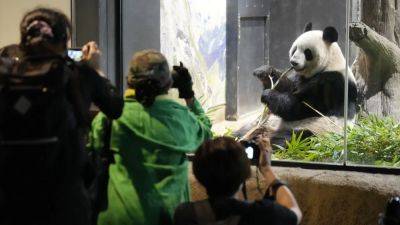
(323, 92)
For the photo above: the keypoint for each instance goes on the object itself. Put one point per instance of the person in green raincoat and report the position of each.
(150, 176)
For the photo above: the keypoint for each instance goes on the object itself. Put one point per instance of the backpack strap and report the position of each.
(106, 153)
(74, 91)
(205, 215)
(204, 212)
(233, 220)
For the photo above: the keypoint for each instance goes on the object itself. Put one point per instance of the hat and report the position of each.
(149, 65)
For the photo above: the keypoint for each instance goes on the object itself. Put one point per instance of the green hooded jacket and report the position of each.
(150, 176)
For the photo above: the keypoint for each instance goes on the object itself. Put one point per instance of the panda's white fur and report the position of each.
(327, 57)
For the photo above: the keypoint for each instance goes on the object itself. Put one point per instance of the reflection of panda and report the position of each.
(318, 82)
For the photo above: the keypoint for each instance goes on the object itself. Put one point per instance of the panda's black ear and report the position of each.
(308, 27)
(330, 35)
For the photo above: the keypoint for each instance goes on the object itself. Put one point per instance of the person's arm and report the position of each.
(13, 52)
(182, 80)
(283, 195)
(104, 94)
(106, 97)
(198, 111)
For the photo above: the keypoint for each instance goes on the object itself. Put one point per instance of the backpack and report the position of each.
(205, 215)
(38, 110)
(99, 163)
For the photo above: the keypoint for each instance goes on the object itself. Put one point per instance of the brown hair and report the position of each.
(149, 75)
(221, 165)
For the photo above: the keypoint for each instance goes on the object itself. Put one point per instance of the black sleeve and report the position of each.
(269, 212)
(103, 94)
(185, 215)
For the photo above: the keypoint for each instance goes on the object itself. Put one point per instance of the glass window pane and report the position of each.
(375, 137)
(308, 99)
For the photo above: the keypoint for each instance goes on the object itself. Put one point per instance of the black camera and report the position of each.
(252, 151)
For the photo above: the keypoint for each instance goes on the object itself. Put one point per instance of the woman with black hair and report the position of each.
(221, 166)
(150, 140)
(57, 194)
(42, 31)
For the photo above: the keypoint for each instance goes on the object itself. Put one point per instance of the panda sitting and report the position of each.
(315, 87)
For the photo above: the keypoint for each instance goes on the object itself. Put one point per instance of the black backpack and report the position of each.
(39, 110)
(97, 174)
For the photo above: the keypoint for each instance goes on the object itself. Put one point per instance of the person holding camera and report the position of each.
(45, 34)
(222, 166)
(391, 216)
(45, 101)
(150, 175)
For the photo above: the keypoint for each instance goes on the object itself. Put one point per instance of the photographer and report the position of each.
(46, 32)
(222, 166)
(391, 216)
(150, 175)
(44, 123)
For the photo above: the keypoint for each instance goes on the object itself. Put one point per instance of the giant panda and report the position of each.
(314, 88)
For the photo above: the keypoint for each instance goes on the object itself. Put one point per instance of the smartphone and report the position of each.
(252, 151)
(75, 54)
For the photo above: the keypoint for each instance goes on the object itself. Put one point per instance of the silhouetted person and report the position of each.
(221, 166)
(44, 121)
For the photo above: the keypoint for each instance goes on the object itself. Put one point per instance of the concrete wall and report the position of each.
(140, 28)
(11, 13)
(329, 197)
(289, 17)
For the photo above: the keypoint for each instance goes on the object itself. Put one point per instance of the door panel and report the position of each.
(251, 54)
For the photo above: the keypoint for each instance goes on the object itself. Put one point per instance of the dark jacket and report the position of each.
(251, 213)
(63, 200)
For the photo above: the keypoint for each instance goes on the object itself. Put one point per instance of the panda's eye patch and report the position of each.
(308, 54)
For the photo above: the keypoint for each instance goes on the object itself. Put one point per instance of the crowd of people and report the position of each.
(128, 165)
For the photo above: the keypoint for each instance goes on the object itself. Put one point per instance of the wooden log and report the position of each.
(376, 70)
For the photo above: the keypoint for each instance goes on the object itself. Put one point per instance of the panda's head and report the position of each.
(316, 51)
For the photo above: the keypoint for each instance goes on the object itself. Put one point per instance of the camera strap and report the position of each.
(244, 190)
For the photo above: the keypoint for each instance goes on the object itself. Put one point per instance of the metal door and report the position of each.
(253, 51)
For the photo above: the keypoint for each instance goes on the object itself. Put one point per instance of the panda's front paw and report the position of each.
(266, 96)
(268, 75)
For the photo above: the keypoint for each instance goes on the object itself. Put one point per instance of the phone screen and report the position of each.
(250, 152)
(75, 54)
